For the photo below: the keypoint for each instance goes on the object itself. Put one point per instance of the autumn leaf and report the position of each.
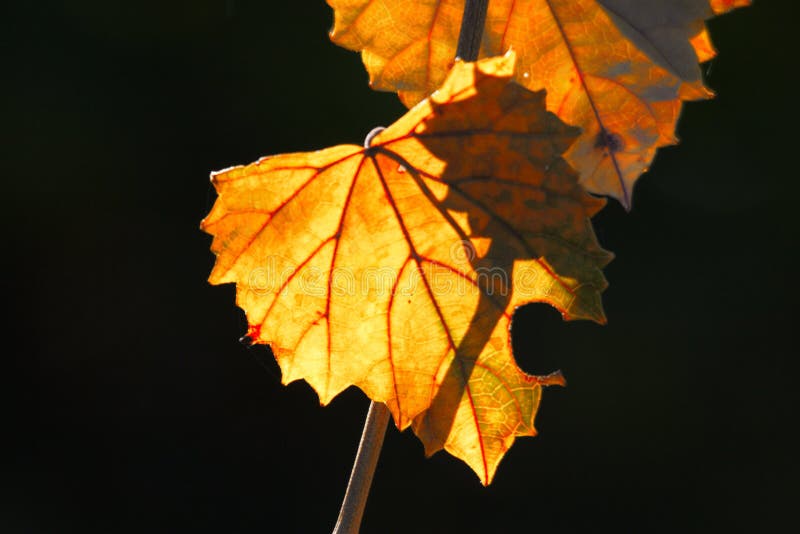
(397, 267)
(618, 69)
(723, 6)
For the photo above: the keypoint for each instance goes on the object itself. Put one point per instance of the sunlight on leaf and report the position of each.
(397, 267)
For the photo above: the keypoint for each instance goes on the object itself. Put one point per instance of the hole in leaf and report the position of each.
(539, 336)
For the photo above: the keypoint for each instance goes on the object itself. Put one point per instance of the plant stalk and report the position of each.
(471, 33)
(369, 448)
(355, 498)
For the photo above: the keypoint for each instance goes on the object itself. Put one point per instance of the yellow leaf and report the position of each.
(397, 267)
(618, 69)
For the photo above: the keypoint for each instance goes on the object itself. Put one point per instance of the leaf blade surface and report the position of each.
(397, 268)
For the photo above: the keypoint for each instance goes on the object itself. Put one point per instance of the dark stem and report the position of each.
(472, 23)
(355, 498)
(369, 449)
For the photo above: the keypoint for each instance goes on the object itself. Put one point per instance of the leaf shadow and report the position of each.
(514, 202)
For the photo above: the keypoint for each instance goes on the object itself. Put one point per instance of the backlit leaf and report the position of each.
(723, 6)
(618, 69)
(397, 267)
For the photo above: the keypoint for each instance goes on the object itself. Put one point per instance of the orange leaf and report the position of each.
(723, 6)
(397, 267)
(618, 69)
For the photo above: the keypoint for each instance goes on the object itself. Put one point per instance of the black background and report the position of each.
(132, 407)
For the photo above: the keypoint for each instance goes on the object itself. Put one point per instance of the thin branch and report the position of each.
(355, 498)
(369, 449)
(472, 23)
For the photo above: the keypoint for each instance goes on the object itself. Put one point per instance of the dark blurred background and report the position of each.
(133, 408)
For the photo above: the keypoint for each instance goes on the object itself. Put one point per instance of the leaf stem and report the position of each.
(355, 498)
(369, 448)
(472, 23)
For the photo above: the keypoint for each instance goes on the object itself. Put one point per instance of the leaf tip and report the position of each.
(214, 175)
(500, 66)
(625, 200)
(252, 336)
(556, 378)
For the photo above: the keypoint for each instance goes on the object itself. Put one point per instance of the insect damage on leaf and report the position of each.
(614, 68)
(397, 267)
